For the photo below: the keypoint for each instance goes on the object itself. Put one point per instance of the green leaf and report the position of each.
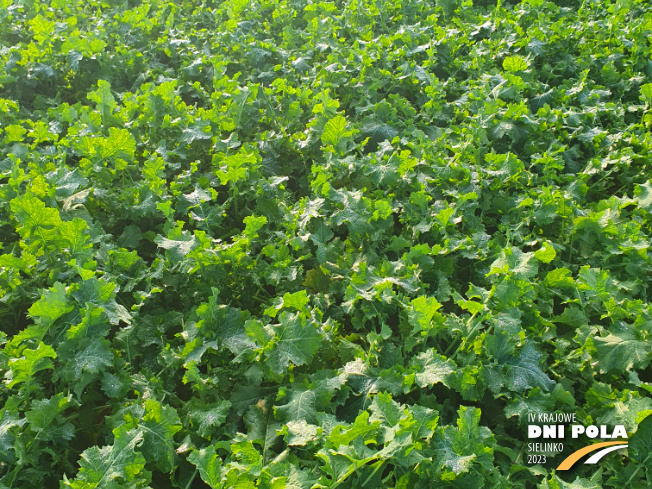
(102, 294)
(298, 300)
(384, 409)
(640, 444)
(621, 351)
(44, 411)
(300, 405)
(113, 466)
(178, 248)
(524, 372)
(555, 482)
(235, 167)
(10, 428)
(130, 237)
(253, 225)
(91, 355)
(262, 428)
(206, 419)
(301, 433)
(316, 280)
(432, 368)
(573, 316)
(159, 424)
(230, 325)
(51, 306)
(425, 421)
(461, 448)
(643, 194)
(377, 133)
(513, 260)
(296, 340)
(362, 427)
(247, 454)
(444, 215)
(115, 386)
(346, 460)
(103, 97)
(560, 277)
(208, 463)
(625, 409)
(197, 131)
(646, 93)
(388, 413)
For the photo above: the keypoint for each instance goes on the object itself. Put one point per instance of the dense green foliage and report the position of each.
(289, 243)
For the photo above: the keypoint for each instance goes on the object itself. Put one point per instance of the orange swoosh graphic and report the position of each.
(575, 456)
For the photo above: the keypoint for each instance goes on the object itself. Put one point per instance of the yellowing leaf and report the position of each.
(14, 133)
(514, 64)
(335, 131)
(422, 312)
(24, 368)
(546, 254)
(34, 215)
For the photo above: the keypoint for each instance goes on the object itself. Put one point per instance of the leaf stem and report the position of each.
(631, 478)
(378, 465)
(191, 479)
(458, 337)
